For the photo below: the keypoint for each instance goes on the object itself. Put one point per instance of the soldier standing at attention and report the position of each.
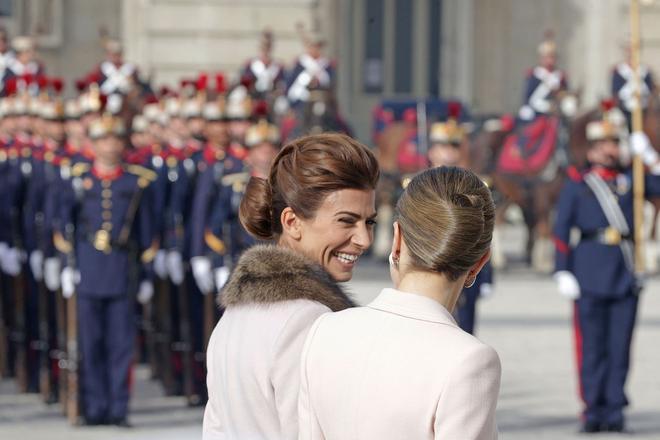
(598, 273)
(106, 229)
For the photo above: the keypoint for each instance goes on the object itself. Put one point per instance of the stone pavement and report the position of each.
(527, 323)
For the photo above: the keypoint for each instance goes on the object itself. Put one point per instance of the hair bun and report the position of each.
(256, 210)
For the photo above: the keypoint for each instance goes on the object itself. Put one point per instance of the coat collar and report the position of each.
(268, 274)
(411, 305)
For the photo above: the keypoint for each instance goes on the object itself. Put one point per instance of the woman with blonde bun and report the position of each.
(401, 368)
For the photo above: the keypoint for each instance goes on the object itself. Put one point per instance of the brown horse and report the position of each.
(535, 191)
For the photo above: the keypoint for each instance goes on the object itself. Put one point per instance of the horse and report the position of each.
(531, 183)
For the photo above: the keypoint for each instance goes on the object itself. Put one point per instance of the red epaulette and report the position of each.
(574, 174)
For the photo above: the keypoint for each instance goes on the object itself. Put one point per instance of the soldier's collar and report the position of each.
(605, 173)
(108, 175)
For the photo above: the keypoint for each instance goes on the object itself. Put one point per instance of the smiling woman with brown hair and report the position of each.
(318, 207)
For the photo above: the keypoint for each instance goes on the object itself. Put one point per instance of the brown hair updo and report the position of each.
(446, 216)
(303, 173)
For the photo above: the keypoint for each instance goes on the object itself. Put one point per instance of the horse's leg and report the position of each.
(497, 257)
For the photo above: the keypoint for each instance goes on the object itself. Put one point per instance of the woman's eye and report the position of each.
(371, 222)
(349, 221)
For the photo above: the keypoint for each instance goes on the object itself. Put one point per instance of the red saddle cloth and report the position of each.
(529, 149)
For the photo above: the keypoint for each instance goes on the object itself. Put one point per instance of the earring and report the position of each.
(393, 262)
(470, 283)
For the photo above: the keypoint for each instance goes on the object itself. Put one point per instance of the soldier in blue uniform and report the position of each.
(107, 208)
(543, 83)
(447, 140)
(312, 71)
(623, 86)
(266, 74)
(598, 272)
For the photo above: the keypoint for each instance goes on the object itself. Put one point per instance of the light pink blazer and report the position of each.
(400, 369)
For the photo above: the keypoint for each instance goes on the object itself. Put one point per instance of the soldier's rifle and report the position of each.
(43, 344)
(184, 345)
(18, 335)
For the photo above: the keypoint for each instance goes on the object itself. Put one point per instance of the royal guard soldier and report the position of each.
(207, 248)
(312, 71)
(24, 65)
(114, 75)
(623, 85)
(447, 147)
(598, 272)
(543, 83)
(265, 74)
(106, 231)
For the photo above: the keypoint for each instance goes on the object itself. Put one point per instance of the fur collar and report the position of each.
(268, 274)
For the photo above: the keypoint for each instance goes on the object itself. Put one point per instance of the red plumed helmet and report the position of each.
(103, 100)
(260, 109)
(80, 84)
(10, 86)
(58, 85)
(454, 110)
(220, 86)
(202, 82)
(42, 82)
(246, 81)
(164, 91)
(93, 77)
(607, 104)
(28, 78)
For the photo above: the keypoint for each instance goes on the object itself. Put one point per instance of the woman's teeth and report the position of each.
(346, 258)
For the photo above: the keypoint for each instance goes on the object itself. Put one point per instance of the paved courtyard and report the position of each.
(526, 321)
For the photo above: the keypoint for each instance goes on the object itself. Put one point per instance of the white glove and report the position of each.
(160, 264)
(70, 277)
(486, 291)
(281, 105)
(52, 273)
(175, 267)
(37, 265)
(567, 284)
(146, 292)
(526, 113)
(3, 252)
(221, 276)
(12, 261)
(569, 106)
(201, 268)
(641, 146)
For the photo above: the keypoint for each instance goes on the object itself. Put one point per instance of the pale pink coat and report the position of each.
(398, 369)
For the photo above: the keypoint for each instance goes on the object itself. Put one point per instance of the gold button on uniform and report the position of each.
(106, 204)
(106, 215)
(106, 193)
(105, 183)
(107, 226)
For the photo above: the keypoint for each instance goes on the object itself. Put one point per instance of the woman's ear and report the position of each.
(291, 225)
(479, 265)
(396, 241)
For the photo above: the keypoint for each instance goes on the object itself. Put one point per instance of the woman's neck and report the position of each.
(434, 286)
